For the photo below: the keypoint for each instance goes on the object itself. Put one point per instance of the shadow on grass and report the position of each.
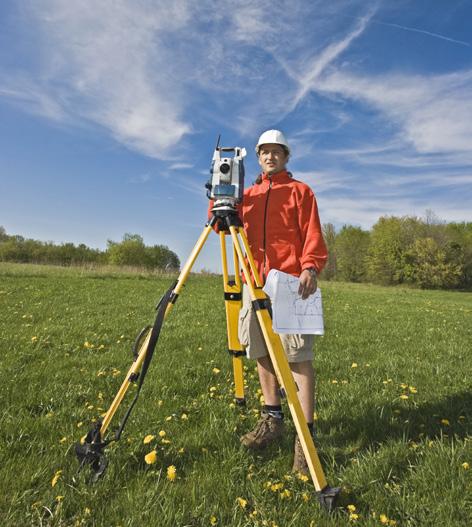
(450, 417)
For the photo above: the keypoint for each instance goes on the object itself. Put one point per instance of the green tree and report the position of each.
(428, 266)
(351, 248)
(162, 257)
(329, 235)
(384, 258)
(3, 234)
(130, 251)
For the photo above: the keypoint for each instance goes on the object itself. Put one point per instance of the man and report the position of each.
(280, 218)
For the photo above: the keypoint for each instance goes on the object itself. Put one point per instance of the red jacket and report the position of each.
(280, 218)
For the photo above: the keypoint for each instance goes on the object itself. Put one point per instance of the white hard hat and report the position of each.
(273, 137)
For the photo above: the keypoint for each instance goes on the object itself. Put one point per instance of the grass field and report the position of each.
(394, 407)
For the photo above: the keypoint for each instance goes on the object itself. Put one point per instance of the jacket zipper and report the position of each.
(264, 237)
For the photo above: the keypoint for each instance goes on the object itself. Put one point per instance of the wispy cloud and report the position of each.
(433, 111)
(101, 63)
(180, 166)
(141, 178)
(422, 31)
(319, 63)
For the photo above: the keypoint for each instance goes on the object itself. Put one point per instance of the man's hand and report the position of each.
(308, 284)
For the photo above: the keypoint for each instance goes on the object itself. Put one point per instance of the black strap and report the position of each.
(155, 332)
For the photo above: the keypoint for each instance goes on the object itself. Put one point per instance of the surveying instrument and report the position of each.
(225, 188)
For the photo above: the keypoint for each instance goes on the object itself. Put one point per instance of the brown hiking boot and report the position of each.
(267, 429)
(299, 462)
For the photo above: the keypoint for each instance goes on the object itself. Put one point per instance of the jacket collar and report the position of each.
(279, 177)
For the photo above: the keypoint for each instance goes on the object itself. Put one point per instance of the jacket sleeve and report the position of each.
(314, 252)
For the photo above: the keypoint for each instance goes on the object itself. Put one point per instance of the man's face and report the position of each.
(272, 158)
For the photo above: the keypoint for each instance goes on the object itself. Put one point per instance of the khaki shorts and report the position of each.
(298, 348)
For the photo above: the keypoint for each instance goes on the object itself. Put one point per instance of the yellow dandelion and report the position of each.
(334, 381)
(171, 473)
(151, 458)
(276, 486)
(353, 516)
(302, 477)
(213, 520)
(383, 519)
(413, 389)
(445, 422)
(34, 339)
(63, 439)
(465, 465)
(184, 417)
(354, 365)
(55, 478)
(88, 345)
(403, 386)
(169, 418)
(404, 397)
(306, 496)
(181, 450)
(162, 433)
(285, 494)
(351, 508)
(59, 499)
(242, 502)
(216, 371)
(148, 439)
(87, 511)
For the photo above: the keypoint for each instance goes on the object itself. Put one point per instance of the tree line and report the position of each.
(422, 252)
(130, 251)
(426, 253)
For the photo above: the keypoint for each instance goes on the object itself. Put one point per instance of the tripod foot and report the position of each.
(328, 497)
(90, 452)
(240, 401)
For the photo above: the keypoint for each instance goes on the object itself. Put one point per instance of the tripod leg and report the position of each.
(133, 372)
(326, 494)
(232, 289)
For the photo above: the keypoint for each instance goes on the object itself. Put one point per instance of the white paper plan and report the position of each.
(291, 314)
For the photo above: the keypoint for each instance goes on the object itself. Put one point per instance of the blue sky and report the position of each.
(109, 110)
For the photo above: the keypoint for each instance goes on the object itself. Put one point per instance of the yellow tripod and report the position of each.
(90, 450)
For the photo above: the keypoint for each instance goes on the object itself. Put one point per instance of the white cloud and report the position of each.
(434, 111)
(103, 62)
(322, 60)
(180, 166)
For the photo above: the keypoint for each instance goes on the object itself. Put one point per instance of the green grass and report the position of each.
(399, 457)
